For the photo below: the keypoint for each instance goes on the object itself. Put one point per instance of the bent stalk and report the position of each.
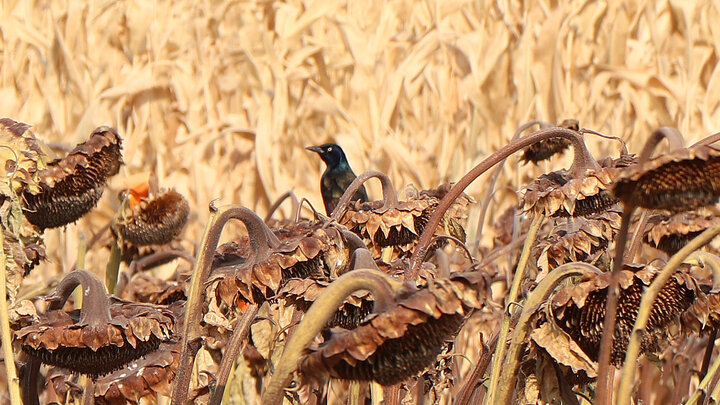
(581, 162)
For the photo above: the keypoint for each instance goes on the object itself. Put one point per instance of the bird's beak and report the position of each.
(315, 149)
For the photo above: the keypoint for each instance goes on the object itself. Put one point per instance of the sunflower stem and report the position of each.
(261, 240)
(389, 194)
(8, 355)
(512, 296)
(646, 304)
(582, 161)
(380, 285)
(506, 385)
(232, 349)
(113, 267)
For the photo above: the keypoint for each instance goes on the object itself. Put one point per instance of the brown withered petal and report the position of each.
(577, 240)
(134, 331)
(392, 346)
(557, 194)
(156, 221)
(70, 187)
(683, 180)
(670, 233)
(580, 310)
(309, 249)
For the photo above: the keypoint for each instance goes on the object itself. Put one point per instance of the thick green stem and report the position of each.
(646, 305)
(389, 194)
(261, 241)
(9, 356)
(511, 298)
(113, 267)
(380, 285)
(582, 161)
(506, 386)
(233, 347)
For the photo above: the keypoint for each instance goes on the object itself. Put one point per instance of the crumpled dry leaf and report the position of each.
(563, 349)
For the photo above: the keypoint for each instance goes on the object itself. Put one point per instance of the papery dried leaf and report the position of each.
(563, 349)
(670, 233)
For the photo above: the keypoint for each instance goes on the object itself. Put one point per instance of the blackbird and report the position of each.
(337, 176)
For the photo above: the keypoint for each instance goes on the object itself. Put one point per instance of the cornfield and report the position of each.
(192, 110)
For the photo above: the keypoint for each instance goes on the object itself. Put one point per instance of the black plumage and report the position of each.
(337, 176)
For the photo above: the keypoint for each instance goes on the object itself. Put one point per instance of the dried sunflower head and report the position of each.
(577, 240)
(155, 221)
(557, 194)
(682, 180)
(547, 148)
(402, 340)
(68, 188)
(400, 225)
(670, 233)
(580, 310)
(306, 250)
(102, 337)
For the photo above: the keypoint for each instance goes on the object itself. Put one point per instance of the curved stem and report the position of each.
(298, 209)
(675, 141)
(702, 258)
(512, 296)
(623, 145)
(233, 347)
(380, 285)
(506, 386)
(389, 194)
(494, 177)
(288, 194)
(646, 304)
(262, 240)
(581, 162)
(5, 334)
(708, 140)
(457, 241)
(95, 311)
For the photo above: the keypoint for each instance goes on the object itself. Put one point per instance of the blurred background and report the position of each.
(219, 98)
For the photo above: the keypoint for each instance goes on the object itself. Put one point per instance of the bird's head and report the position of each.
(330, 153)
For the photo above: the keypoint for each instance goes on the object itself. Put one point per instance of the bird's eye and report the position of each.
(330, 149)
